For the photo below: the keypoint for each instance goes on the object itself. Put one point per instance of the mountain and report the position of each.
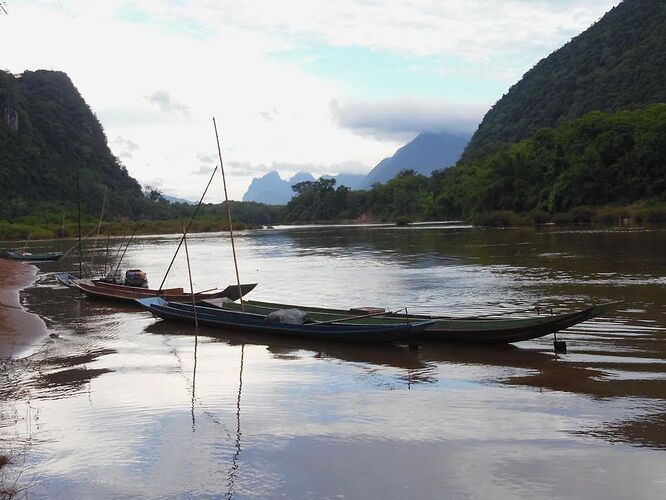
(352, 181)
(176, 199)
(272, 189)
(428, 151)
(617, 63)
(48, 134)
(598, 159)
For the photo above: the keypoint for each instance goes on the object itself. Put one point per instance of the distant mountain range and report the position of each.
(428, 151)
(274, 190)
(176, 199)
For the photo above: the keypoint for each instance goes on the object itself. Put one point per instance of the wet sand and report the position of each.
(18, 328)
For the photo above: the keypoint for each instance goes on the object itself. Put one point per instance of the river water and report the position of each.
(121, 405)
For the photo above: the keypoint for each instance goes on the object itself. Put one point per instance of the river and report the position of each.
(121, 405)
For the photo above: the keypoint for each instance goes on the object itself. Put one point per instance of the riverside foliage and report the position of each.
(597, 160)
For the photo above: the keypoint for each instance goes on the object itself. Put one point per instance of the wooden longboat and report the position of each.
(34, 257)
(461, 330)
(130, 293)
(230, 320)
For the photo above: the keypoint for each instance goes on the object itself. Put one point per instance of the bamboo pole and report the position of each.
(99, 226)
(78, 204)
(115, 258)
(189, 272)
(187, 229)
(62, 234)
(231, 228)
(25, 246)
(106, 257)
(123, 255)
(75, 244)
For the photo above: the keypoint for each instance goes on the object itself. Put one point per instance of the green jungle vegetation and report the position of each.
(48, 224)
(618, 63)
(602, 167)
(48, 137)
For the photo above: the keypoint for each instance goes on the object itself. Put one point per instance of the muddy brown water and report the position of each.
(120, 405)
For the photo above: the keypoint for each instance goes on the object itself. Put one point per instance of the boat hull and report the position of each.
(460, 330)
(130, 294)
(227, 320)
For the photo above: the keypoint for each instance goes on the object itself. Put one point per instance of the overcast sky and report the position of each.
(328, 86)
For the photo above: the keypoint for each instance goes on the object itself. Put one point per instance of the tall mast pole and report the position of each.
(99, 226)
(78, 203)
(231, 228)
(187, 228)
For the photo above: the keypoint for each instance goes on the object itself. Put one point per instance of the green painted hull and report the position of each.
(463, 330)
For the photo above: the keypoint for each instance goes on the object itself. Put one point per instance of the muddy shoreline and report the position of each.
(19, 329)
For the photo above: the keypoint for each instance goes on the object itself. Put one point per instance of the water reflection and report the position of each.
(231, 480)
(285, 348)
(145, 408)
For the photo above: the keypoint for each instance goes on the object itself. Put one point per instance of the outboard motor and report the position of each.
(136, 277)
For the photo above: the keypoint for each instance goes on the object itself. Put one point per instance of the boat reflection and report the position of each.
(289, 348)
(231, 479)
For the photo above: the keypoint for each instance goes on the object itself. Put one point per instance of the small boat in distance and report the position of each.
(235, 321)
(480, 330)
(34, 257)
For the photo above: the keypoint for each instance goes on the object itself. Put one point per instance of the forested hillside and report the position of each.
(598, 159)
(618, 63)
(48, 134)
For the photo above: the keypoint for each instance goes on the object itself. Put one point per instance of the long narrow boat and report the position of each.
(34, 257)
(229, 320)
(462, 330)
(129, 293)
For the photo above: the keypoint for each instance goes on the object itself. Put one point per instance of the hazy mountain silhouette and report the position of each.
(428, 151)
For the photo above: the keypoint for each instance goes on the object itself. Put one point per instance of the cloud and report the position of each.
(162, 97)
(203, 158)
(472, 29)
(154, 183)
(204, 170)
(125, 147)
(269, 114)
(404, 118)
(168, 104)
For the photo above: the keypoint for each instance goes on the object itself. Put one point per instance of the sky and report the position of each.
(294, 85)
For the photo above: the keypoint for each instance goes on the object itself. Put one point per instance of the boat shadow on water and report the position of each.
(543, 370)
(288, 348)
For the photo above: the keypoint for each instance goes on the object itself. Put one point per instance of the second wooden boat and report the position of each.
(112, 291)
(129, 293)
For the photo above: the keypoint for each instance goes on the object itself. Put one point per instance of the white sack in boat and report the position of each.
(290, 316)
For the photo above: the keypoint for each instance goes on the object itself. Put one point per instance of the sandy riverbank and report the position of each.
(18, 328)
